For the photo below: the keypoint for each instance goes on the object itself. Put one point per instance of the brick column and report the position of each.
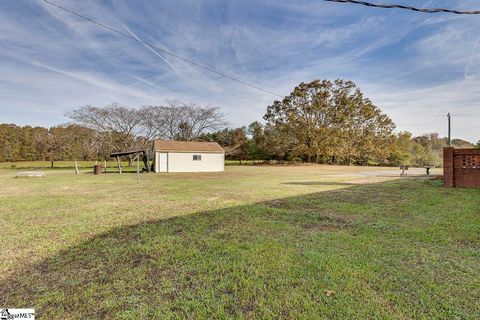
(448, 167)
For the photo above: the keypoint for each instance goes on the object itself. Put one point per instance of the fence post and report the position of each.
(76, 168)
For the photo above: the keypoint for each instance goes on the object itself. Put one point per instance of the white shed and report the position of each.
(188, 156)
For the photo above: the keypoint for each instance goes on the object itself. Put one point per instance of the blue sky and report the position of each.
(415, 67)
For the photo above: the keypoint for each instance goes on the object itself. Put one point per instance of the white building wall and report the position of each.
(163, 162)
(157, 162)
(183, 162)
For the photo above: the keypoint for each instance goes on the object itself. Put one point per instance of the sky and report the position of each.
(415, 67)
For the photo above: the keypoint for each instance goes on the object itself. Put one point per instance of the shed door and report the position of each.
(163, 162)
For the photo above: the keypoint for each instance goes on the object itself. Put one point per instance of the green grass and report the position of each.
(251, 242)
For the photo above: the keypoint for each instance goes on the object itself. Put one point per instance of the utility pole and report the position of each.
(449, 131)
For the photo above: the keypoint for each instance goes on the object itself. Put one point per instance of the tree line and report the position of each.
(320, 121)
(254, 143)
(63, 142)
(330, 123)
(95, 132)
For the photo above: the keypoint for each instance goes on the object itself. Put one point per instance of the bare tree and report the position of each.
(199, 120)
(183, 121)
(168, 120)
(120, 127)
(123, 128)
(152, 122)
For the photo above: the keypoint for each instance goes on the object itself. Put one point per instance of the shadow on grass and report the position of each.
(271, 259)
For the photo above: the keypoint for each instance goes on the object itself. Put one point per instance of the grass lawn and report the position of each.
(266, 242)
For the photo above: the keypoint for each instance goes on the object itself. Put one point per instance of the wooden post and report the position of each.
(52, 164)
(138, 168)
(119, 165)
(105, 166)
(76, 168)
(147, 165)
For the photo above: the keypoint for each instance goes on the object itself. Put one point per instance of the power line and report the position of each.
(398, 6)
(163, 50)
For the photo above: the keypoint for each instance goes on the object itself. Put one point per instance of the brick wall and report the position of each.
(461, 167)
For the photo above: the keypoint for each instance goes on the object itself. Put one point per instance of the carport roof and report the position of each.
(187, 146)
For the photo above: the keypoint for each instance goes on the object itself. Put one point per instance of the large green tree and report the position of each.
(326, 121)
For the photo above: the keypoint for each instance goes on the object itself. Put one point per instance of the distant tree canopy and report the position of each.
(234, 141)
(324, 121)
(422, 150)
(65, 142)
